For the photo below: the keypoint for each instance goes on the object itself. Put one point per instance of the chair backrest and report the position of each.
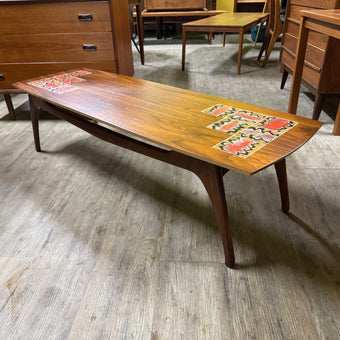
(274, 6)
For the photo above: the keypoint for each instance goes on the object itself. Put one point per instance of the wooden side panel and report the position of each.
(122, 36)
(330, 78)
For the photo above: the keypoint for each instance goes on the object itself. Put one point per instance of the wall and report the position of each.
(227, 5)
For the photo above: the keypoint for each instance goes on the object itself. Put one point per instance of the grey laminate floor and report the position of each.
(100, 243)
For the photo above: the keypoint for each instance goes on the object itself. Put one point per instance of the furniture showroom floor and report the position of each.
(98, 242)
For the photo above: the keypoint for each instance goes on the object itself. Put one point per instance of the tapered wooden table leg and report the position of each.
(35, 122)
(9, 104)
(281, 174)
(212, 179)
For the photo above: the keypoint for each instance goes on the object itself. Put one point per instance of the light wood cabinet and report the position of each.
(40, 37)
(321, 72)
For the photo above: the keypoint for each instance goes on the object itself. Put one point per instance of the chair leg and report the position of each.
(319, 100)
(140, 28)
(270, 48)
(9, 104)
(159, 28)
(284, 79)
(224, 35)
(258, 32)
(210, 38)
(264, 46)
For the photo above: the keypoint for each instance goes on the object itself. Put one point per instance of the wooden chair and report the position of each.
(265, 10)
(274, 29)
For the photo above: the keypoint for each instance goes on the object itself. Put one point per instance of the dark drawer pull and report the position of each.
(2, 77)
(85, 17)
(89, 47)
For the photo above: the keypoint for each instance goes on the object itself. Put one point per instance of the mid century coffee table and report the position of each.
(204, 134)
(226, 22)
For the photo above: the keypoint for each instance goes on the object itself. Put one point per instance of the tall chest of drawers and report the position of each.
(39, 37)
(321, 73)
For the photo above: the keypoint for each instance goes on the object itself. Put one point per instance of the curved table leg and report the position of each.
(212, 179)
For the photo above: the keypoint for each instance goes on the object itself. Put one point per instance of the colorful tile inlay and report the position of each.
(61, 83)
(276, 124)
(239, 146)
(218, 110)
(229, 125)
(259, 134)
(250, 130)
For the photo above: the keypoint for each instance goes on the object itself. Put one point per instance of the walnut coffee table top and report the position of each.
(223, 132)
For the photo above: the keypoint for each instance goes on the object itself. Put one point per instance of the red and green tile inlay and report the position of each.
(250, 131)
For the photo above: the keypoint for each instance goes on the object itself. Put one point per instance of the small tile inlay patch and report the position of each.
(61, 83)
(251, 130)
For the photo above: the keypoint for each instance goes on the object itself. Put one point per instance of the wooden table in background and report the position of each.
(223, 23)
(322, 21)
(172, 120)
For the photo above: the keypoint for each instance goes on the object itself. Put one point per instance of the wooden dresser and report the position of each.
(321, 73)
(40, 37)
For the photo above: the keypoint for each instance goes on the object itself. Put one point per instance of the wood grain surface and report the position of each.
(171, 117)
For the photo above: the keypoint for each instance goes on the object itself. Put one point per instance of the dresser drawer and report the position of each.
(56, 47)
(11, 73)
(314, 38)
(314, 55)
(55, 18)
(156, 5)
(324, 4)
(294, 13)
(309, 75)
